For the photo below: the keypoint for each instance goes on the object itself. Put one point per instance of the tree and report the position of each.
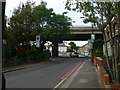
(98, 47)
(92, 12)
(61, 28)
(41, 16)
(73, 45)
(48, 24)
(20, 28)
(29, 20)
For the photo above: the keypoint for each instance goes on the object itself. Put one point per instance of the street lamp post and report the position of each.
(92, 40)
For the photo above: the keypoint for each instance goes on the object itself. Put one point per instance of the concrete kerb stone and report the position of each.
(18, 68)
(21, 67)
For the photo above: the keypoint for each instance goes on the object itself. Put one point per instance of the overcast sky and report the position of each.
(58, 7)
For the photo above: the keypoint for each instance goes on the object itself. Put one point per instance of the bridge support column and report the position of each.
(55, 49)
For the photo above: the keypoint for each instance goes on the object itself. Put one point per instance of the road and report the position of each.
(46, 76)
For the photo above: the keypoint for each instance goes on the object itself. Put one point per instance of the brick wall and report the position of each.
(103, 76)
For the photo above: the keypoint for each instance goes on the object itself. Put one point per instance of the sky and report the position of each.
(58, 7)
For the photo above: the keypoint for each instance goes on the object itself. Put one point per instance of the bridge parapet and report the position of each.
(85, 30)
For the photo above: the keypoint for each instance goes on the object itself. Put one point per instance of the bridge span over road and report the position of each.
(78, 34)
(84, 33)
(85, 30)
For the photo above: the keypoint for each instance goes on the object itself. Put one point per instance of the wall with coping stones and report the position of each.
(103, 76)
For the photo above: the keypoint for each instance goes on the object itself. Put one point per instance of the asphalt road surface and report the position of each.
(46, 76)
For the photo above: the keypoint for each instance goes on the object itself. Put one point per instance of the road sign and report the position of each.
(37, 37)
(37, 40)
(93, 36)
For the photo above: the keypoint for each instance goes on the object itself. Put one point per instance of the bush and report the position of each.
(98, 52)
(34, 55)
(98, 48)
(12, 62)
(70, 50)
(37, 55)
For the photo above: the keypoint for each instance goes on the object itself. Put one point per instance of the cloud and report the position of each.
(57, 5)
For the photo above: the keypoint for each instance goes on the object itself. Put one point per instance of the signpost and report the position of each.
(38, 41)
(92, 37)
(2, 13)
(90, 45)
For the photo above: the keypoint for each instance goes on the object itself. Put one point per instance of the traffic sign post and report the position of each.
(37, 44)
(90, 44)
(92, 37)
(37, 41)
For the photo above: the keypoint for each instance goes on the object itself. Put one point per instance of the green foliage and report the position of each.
(69, 50)
(100, 14)
(28, 21)
(92, 11)
(77, 47)
(48, 24)
(73, 45)
(20, 29)
(36, 54)
(13, 61)
(98, 47)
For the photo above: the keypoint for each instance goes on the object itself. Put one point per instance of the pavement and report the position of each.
(84, 77)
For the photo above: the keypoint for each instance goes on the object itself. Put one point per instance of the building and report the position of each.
(84, 50)
(111, 35)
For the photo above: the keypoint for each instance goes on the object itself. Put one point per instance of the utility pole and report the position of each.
(2, 16)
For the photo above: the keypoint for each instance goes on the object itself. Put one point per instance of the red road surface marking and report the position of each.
(71, 71)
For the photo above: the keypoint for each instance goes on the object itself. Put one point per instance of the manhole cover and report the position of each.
(83, 81)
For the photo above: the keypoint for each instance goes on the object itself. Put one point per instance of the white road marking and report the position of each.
(70, 79)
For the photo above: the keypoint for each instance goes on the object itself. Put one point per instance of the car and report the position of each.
(74, 54)
(81, 56)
